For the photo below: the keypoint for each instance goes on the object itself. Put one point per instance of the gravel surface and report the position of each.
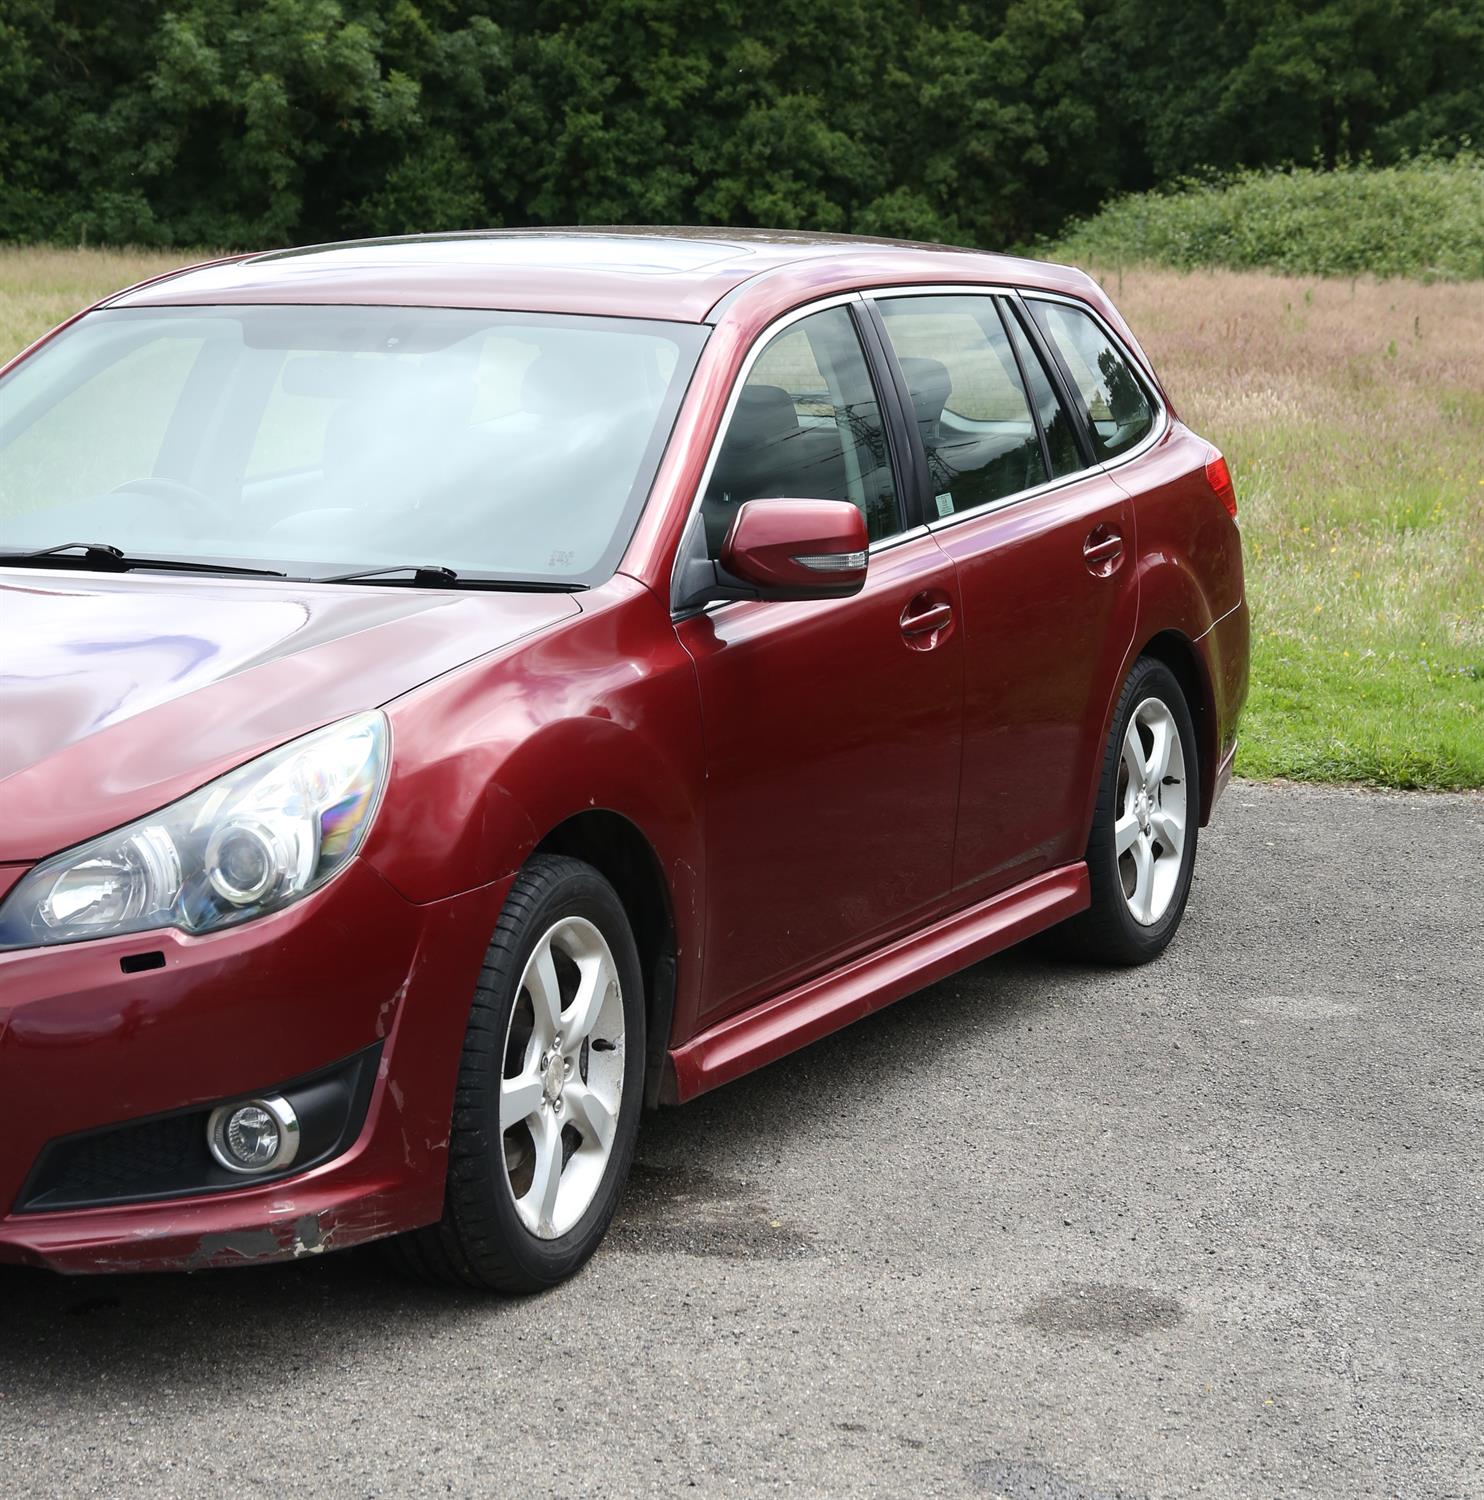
(1207, 1228)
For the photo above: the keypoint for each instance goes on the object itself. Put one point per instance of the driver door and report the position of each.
(832, 727)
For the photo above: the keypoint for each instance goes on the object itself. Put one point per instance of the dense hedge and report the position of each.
(1424, 219)
(245, 122)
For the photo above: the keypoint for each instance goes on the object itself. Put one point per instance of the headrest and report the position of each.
(930, 385)
(765, 414)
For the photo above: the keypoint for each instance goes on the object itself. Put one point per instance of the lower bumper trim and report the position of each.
(166, 1156)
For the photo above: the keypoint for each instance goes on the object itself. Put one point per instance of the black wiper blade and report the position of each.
(436, 576)
(428, 575)
(103, 557)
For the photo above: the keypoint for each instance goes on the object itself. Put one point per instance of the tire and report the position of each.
(1119, 928)
(505, 1226)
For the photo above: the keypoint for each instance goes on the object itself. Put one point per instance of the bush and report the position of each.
(1422, 219)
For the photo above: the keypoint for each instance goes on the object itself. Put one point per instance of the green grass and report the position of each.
(1352, 414)
(1424, 219)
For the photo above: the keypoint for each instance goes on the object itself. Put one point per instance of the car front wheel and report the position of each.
(550, 1087)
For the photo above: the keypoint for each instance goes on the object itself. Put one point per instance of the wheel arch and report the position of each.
(618, 849)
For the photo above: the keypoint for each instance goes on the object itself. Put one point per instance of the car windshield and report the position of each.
(318, 440)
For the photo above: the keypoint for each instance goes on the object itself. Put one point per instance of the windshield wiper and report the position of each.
(102, 557)
(435, 576)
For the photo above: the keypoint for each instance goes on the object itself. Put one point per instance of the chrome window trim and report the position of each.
(760, 343)
(886, 543)
(1005, 501)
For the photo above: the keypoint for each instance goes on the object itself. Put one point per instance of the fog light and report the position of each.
(258, 1135)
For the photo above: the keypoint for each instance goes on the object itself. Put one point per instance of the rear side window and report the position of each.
(807, 426)
(1118, 409)
(977, 430)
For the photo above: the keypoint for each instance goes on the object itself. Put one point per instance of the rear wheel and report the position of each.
(549, 1092)
(1141, 852)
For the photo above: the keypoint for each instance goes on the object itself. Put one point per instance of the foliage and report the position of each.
(250, 122)
(1422, 219)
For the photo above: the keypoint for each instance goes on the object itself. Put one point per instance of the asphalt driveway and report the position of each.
(1215, 1227)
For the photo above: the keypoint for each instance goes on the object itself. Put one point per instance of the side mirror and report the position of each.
(797, 549)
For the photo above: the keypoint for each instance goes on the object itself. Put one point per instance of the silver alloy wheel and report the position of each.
(1149, 833)
(562, 1080)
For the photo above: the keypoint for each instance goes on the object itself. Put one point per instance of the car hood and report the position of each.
(119, 694)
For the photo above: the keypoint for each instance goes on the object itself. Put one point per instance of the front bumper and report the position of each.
(85, 1045)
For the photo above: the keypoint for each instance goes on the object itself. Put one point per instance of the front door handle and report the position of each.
(1102, 549)
(922, 617)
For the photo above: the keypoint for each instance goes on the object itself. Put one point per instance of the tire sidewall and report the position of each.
(584, 893)
(1149, 679)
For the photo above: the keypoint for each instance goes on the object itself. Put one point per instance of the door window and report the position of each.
(807, 426)
(976, 424)
(1119, 411)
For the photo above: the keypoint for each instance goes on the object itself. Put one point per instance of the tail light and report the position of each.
(1219, 477)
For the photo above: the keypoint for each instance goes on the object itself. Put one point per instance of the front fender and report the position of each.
(600, 712)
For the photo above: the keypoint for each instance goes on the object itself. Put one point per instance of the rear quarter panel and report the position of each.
(1191, 579)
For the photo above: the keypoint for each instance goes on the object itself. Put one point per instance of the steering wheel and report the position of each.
(187, 499)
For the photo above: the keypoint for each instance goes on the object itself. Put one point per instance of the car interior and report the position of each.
(972, 462)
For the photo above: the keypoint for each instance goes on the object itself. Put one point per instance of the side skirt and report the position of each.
(802, 1015)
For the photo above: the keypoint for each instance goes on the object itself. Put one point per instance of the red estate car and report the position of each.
(456, 691)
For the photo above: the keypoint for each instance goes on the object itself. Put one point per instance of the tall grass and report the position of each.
(1424, 219)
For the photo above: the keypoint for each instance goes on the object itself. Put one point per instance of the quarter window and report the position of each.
(1118, 410)
(807, 426)
(977, 429)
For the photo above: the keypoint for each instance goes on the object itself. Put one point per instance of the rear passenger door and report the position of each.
(832, 727)
(1042, 542)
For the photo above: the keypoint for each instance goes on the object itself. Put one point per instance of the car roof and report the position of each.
(684, 275)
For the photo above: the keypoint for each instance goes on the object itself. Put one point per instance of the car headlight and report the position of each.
(245, 844)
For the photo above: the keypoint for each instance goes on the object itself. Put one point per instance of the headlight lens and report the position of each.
(248, 843)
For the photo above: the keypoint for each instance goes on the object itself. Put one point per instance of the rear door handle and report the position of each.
(1101, 550)
(926, 619)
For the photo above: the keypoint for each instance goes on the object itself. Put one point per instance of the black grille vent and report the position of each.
(126, 1162)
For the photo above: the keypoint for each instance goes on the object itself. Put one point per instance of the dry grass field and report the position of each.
(1353, 417)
